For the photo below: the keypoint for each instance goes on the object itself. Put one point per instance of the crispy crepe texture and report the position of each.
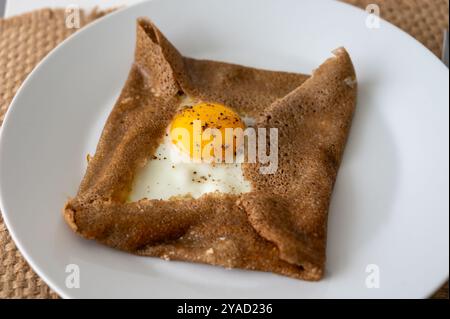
(280, 226)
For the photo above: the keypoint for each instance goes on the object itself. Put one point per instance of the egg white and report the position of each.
(169, 173)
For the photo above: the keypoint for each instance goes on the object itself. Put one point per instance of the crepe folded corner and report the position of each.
(279, 226)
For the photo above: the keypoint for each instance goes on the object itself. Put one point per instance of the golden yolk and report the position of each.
(195, 130)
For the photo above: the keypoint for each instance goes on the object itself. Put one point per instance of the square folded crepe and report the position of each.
(279, 226)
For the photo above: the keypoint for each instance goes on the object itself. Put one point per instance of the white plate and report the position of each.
(390, 206)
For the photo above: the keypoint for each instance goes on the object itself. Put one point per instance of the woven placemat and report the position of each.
(26, 39)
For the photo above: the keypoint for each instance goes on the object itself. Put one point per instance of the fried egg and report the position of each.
(185, 165)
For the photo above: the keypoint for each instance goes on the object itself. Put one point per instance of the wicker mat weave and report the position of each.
(26, 39)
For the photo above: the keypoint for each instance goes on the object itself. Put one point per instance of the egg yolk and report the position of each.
(194, 130)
